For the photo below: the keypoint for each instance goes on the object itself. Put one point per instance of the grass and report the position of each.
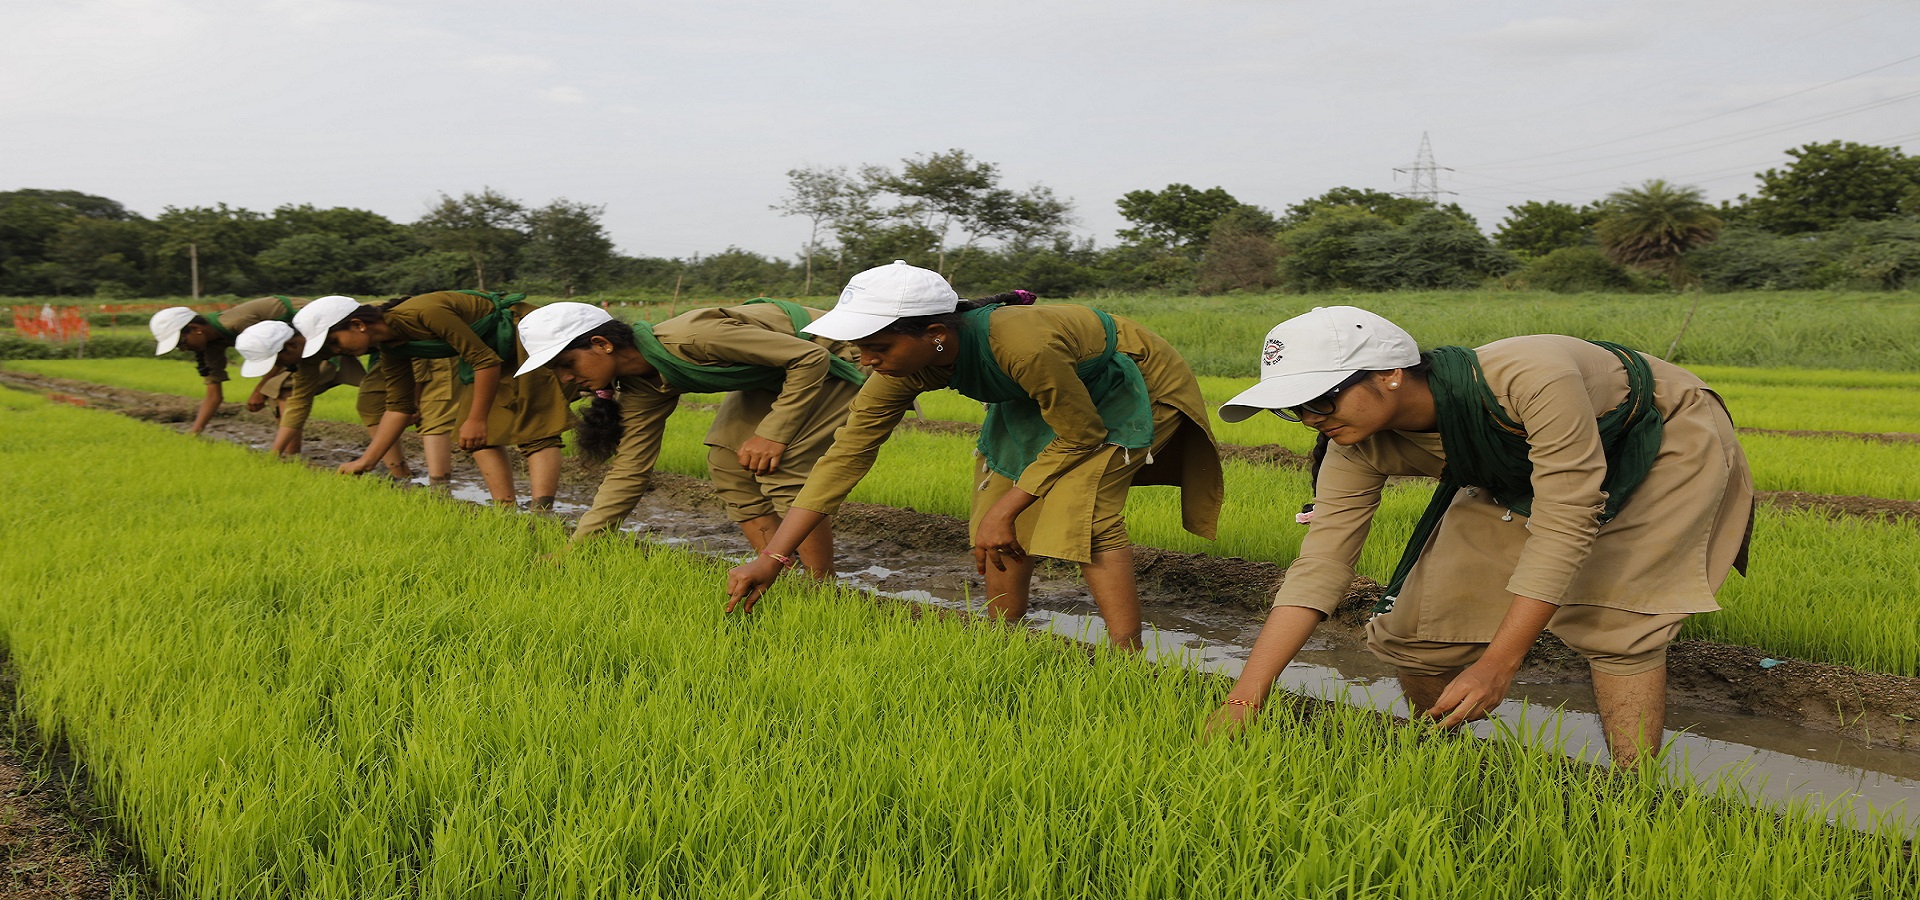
(930, 472)
(427, 712)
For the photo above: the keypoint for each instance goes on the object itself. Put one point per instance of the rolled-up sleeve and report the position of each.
(807, 366)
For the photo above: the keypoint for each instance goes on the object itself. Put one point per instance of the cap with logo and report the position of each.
(1310, 354)
(260, 345)
(314, 320)
(548, 330)
(166, 325)
(881, 295)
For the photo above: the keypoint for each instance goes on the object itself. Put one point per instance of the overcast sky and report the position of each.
(683, 118)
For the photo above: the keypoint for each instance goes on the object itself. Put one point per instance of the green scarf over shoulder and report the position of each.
(1486, 448)
(1014, 432)
(698, 379)
(495, 329)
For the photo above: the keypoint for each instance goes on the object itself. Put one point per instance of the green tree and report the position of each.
(1320, 253)
(1434, 249)
(1536, 229)
(951, 195)
(1833, 183)
(1651, 226)
(31, 220)
(1241, 253)
(224, 242)
(1178, 218)
(1391, 207)
(566, 242)
(487, 228)
(822, 196)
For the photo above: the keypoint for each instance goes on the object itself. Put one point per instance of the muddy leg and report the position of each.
(1110, 578)
(759, 530)
(396, 460)
(1633, 711)
(438, 449)
(498, 474)
(1007, 591)
(1423, 691)
(543, 477)
(816, 552)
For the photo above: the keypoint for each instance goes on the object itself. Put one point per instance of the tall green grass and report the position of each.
(934, 473)
(406, 704)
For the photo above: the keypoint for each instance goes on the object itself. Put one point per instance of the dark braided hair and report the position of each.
(916, 326)
(598, 435)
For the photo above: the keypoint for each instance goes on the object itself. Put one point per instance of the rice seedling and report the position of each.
(419, 710)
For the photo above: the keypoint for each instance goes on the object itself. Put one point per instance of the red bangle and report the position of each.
(1236, 701)
(786, 562)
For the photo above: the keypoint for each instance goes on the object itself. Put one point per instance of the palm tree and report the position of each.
(1652, 225)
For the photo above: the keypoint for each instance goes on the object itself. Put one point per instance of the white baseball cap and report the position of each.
(877, 297)
(1310, 354)
(166, 325)
(260, 345)
(548, 330)
(314, 320)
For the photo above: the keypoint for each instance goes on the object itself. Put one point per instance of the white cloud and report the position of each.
(565, 93)
(1562, 36)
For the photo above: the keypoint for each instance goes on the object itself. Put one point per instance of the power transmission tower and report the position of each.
(1426, 175)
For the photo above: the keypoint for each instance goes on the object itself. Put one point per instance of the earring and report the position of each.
(939, 347)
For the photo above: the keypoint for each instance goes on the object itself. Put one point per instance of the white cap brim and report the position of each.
(1280, 392)
(536, 360)
(254, 368)
(847, 325)
(166, 344)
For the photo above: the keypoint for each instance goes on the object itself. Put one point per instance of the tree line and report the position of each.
(1838, 215)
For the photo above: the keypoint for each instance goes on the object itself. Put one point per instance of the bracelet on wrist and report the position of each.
(786, 562)
(1249, 704)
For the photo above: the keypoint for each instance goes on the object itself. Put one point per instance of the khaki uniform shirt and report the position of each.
(1038, 347)
(239, 318)
(440, 316)
(810, 401)
(1667, 552)
(314, 377)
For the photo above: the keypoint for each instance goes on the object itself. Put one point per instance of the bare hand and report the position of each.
(256, 402)
(1472, 694)
(1229, 721)
(995, 543)
(473, 434)
(747, 581)
(761, 456)
(356, 467)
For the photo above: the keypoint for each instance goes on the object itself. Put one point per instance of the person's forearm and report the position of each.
(793, 530)
(486, 383)
(1011, 504)
(385, 435)
(1280, 640)
(208, 406)
(1525, 619)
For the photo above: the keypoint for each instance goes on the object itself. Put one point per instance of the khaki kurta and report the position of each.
(1038, 347)
(527, 410)
(1668, 550)
(803, 414)
(236, 319)
(313, 377)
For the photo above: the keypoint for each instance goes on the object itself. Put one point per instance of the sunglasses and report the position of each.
(1324, 404)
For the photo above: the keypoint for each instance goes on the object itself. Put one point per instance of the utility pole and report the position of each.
(1425, 174)
(193, 264)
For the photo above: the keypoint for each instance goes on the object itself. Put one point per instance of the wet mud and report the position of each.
(1805, 728)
